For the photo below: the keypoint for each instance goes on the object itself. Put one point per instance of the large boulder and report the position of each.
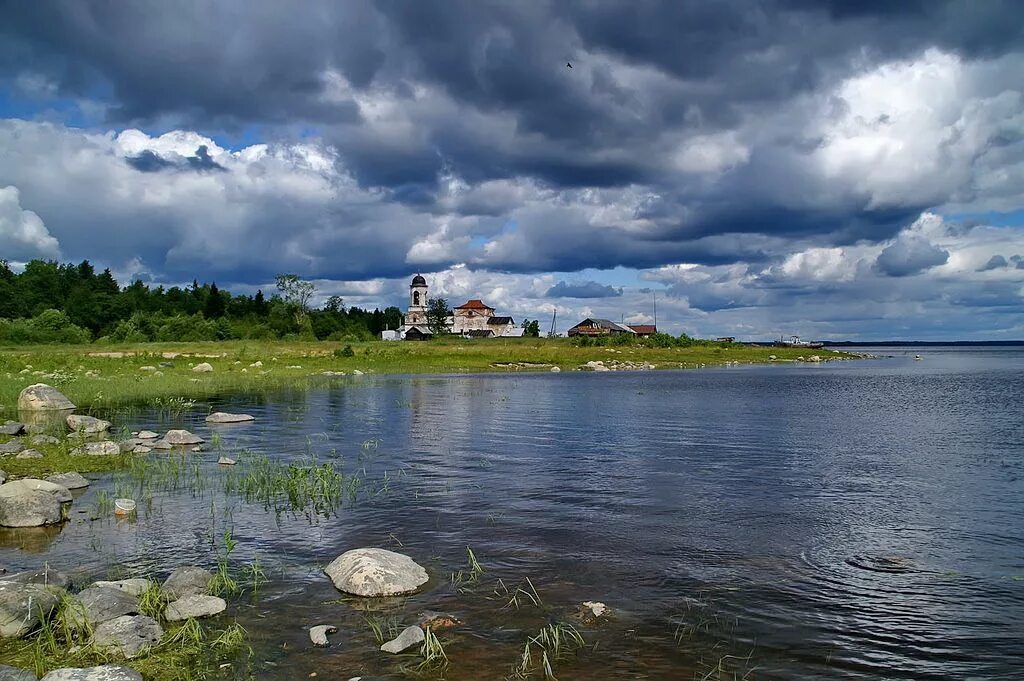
(70, 480)
(194, 607)
(12, 428)
(97, 604)
(101, 448)
(47, 576)
(107, 672)
(24, 606)
(375, 572)
(16, 674)
(224, 417)
(187, 581)
(182, 438)
(12, 447)
(87, 424)
(134, 587)
(203, 368)
(42, 397)
(29, 508)
(129, 635)
(16, 487)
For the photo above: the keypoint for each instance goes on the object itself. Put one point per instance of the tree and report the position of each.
(335, 304)
(259, 304)
(437, 315)
(531, 329)
(215, 305)
(295, 290)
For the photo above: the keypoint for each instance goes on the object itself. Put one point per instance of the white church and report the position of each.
(472, 319)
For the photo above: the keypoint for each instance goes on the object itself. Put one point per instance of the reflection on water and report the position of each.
(855, 521)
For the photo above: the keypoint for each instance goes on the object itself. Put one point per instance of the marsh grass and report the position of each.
(471, 575)
(523, 594)
(313, 488)
(384, 628)
(544, 649)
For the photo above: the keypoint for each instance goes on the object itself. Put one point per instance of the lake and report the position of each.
(846, 520)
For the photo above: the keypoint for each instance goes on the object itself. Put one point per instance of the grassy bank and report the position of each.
(95, 376)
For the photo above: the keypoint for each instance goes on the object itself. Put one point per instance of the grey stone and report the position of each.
(45, 577)
(193, 607)
(41, 397)
(181, 438)
(142, 450)
(101, 448)
(12, 428)
(128, 635)
(98, 604)
(147, 435)
(162, 444)
(375, 572)
(70, 480)
(409, 637)
(31, 503)
(3, 477)
(224, 417)
(226, 461)
(318, 634)
(187, 581)
(16, 487)
(12, 447)
(202, 368)
(132, 587)
(107, 672)
(29, 454)
(80, 423)
(44, 440)
(24, 606)
(16, 674)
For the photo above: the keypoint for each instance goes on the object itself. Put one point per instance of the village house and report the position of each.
(599, 327)
(643, 330)
(472, 319)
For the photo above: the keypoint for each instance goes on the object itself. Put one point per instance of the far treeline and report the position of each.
(50, 302)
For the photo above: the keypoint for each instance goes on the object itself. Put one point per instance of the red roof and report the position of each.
(643, 328)
(474, 304)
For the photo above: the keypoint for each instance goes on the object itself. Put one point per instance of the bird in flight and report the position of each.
(568, 64)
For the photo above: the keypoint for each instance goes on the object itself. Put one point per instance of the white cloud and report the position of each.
(22, 233)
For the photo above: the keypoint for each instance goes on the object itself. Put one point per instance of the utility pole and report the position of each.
(654, 294)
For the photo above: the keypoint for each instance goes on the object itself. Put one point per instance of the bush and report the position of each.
(346, 351)
(49, 326)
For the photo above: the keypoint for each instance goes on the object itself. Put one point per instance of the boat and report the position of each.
(795, 342)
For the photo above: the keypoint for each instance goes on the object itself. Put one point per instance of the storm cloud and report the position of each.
(772, 155)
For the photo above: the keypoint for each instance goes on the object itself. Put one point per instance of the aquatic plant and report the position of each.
(552, 643)
(519, 596)
(223, 583)
(384, 628)
(471, 575)
(254, 576)
(432, 652)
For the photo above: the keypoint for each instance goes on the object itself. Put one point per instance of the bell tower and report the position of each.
(417, 313)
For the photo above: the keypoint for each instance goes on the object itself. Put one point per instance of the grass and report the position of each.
(471, 575)
(545, 648)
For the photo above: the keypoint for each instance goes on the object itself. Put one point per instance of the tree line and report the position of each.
(50, 302)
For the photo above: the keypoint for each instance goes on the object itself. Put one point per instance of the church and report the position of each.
(472, 319)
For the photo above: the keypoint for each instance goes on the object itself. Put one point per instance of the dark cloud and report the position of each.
(583, 289)
(202, 161)
(910, 255)
(148, 162)
(994, 263)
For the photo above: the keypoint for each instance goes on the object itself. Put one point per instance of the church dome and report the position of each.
(418, 280)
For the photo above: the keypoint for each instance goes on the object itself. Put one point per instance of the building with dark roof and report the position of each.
(592, 326)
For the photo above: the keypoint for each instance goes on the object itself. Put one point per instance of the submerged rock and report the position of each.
(590, 612)
(45, 577)
(70, 480)
(202, 368)
(129, 635)
(132, 587)
(107, 672)
(87, 424)
(42, 397)
(147, 435)
(375, 572)
(409, 637)
(16, 674)
(24, 606)
(226, 461)
(187, 581)
(101, 448)
(318, 634)
(224, 417)
(437, 621)
(181, 438)
(199, 605)
(12, 428)
(98, 604)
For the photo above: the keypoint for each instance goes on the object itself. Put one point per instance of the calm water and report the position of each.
(857, 520)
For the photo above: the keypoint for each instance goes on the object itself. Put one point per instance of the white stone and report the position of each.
(375, 572)
(43, 397)
(202, 368)
(107, 672)
(224, 417)
(409, 637)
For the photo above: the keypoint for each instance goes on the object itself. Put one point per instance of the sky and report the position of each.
(833, 170)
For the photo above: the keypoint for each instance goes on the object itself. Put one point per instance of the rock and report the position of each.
(147, 368)
(226, 461)
(16, 487)
(12, 428)
(3, 477)
(132, 587)
(12, 447)
(24, 606)
(590, 612)
(70, 480)
(29, 454)
(357, 372)
(256, 364)
(147, 435)
(202, 368)
(555, 370)
(195, 606)
(44, 440)
(98, 604)
(772, 357)
(167, 365)
(30, 509)
(16, 674)
(41, 397)
(409, 637)
(437, 621)
(107, 672)
(180, 438)
(375, 572)
(187, 581)
(128, 635)
(162, 444)
(141, 450)
(101, 448)
(318, 634)
(45, 577)
(87, 424)
(224, 417)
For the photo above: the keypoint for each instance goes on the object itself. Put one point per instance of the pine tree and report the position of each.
(215, 305)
